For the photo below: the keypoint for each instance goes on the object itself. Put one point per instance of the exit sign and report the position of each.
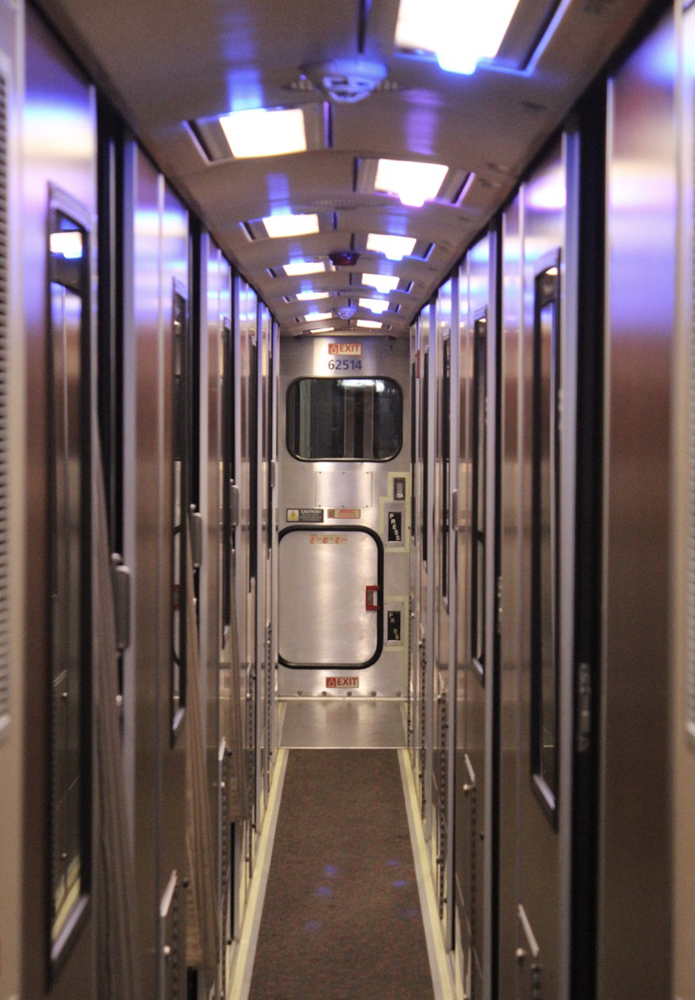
(342, 682)
(351, 349)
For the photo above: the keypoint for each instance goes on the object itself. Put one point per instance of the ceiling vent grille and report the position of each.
(5, 705)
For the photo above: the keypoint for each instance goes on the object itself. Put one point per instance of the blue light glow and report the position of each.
(278, 187)
(245, 89)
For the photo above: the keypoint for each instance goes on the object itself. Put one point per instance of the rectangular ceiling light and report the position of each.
(264, 132)
(291, 225)
(323, 329)
(369, 324)
(315, 317)
(300, 267)
(471, 32)
(374, 305)
(382, 282)
(311, 296)
(416, 28)
(461, 34)
(414, 183)
(393, 247)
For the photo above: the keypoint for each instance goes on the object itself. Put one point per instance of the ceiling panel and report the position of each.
(168, 62)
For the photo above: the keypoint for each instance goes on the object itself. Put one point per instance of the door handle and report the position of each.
(372, 598)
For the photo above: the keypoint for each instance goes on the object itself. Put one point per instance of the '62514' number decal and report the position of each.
(344, 364)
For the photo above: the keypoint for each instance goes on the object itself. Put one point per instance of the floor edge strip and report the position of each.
(439, 964)
(246, 952)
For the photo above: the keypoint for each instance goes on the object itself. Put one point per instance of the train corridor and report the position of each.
(345, 910)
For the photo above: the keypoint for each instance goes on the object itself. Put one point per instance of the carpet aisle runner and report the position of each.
(342, 917)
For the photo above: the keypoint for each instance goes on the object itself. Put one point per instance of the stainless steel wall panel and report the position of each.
(148, 638)
(476, 772)
(544, 201)
(428, 564)
(682, 652)
(160, 255)
(58, 148)
(442, 766)
(634, 950)
(509, 814)
(13, 436)
(262, 610)
(462, 614)
(452, 458)
(210, 410)
(174, 268)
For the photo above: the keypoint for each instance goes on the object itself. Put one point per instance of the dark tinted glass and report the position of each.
(358, 419)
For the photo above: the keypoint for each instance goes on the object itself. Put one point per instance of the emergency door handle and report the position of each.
(372, 598)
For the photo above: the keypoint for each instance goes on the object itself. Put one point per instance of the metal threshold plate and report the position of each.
(349, 723)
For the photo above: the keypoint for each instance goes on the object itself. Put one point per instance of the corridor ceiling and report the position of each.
(174, 66)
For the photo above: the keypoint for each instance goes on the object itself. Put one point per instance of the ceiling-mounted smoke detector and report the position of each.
(345, 312)
(347, 81)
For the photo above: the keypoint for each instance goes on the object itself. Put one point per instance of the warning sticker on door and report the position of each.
(342, 682)
(304, 515)
(328, 539)
(344, 513)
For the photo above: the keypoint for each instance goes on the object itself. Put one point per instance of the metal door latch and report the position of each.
(234, 504)
(196, 537)
(120, 578)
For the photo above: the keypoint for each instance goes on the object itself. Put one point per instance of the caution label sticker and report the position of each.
(304, 515)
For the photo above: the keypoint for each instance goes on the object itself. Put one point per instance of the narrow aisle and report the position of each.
(342, 917)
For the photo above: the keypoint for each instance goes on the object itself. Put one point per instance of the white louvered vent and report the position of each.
(4, 419)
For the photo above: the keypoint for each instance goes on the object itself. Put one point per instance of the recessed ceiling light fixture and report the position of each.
(264, 132)
(298, 268)
(374, 305)
(414, 183)
(317, 317)
(291, 225)
(323, 329)
(369, 324)
(461, 34)
(393, 247)
(311, 296)
(416, 28)
(382, 282)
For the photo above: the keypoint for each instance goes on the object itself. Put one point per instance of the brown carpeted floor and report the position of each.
(342, 916)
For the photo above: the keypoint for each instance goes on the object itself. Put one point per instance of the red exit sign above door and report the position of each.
(351, 349)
